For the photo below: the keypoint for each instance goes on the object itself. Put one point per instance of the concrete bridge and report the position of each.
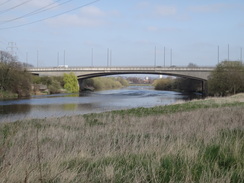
(198, 73)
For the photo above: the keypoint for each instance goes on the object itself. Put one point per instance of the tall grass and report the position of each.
(199, 141)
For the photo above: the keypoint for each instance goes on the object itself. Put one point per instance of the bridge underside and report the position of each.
(184, 75)
(82, 73)
(81, 78)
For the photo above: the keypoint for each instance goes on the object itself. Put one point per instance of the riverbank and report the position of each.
(197, 141)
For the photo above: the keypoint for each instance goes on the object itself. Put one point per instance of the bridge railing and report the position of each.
(70, 69)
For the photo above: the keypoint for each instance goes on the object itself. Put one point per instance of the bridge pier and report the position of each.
(205, 88)
(81, 85)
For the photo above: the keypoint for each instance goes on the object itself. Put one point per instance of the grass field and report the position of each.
(198, 141)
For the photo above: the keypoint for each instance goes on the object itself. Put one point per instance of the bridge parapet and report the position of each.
(69, 69)
(201, 73)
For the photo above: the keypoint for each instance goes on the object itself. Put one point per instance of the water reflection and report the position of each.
(86, 102)
(12, 109)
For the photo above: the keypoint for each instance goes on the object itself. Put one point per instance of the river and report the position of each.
(88, 102)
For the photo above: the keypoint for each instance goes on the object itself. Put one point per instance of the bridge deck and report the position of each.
(201, 73)
(44, 69)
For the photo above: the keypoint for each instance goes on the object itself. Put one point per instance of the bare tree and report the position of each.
(6, 57)
(13, 76)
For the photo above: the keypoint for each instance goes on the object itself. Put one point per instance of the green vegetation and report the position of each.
(140, 81)
(164, 84)
(54, 84)
(199, 141)
(6, 95)
(177, 84)
(14, 79)
(71, 83)
(227, 79)
(106, 83)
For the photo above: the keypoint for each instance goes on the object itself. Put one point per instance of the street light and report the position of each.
(241, 55)
(155, 56)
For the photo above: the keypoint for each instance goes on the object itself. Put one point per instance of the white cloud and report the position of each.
(152, 28)
(38, 3)
(92, 11)
(149, 8)
(23, 4)
(162, 29)
(143, 4)
(209, 8)
(165, 10)
(87, 17)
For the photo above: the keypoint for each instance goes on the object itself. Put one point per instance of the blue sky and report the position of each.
(192, 29)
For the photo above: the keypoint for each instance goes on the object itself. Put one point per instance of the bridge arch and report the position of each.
(198, 73)
(83, 77)
(87, 76)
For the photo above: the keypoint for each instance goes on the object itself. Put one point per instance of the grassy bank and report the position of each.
(197, 141)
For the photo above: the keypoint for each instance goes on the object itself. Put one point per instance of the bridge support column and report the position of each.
(205, 88)
(81, 85)
(84, 86)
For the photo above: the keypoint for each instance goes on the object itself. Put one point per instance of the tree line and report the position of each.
(16, 81)
(106, 83)
(226, 79)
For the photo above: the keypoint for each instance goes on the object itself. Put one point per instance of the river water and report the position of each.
(87, 102)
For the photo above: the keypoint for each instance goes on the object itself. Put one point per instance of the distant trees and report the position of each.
(54, 84)
(192, 65)
(105, 83)
(139, 80)
(227, 79)
(177, 84)
(164, 84)
(71, 83)
(188, 85)
(13, 76)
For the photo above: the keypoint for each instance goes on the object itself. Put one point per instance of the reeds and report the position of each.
(199, 141)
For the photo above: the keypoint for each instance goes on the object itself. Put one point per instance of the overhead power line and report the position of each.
(59, 14)
(37, 11)
(5, 2)
(16, 6)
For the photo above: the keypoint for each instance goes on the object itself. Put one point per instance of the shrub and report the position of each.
(227, 79)
(71, 83)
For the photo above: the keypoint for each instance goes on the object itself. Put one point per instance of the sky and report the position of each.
(49, 33)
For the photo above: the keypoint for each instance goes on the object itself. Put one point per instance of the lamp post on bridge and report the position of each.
(58, 59)
(164, 56)
(37, 58)
(155, 56)
(108, 57)
(228, 52)
(92, 57)
(171, 58)
(218, 55)
(64, 58)
(241, 55)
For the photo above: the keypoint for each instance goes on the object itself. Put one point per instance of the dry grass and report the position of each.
(201, 145)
